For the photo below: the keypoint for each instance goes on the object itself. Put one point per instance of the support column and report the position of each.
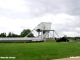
(42, 35)
(48, 34)
(56, 34)
(53, 34)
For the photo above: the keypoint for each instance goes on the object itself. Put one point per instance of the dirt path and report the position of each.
(70, 58)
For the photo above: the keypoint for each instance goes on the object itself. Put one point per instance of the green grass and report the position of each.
(39, 51)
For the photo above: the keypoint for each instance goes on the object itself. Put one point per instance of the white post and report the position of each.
(48, 34)
(42, 35)
(53, 34)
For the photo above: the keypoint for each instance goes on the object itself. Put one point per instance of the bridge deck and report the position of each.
(19, 39)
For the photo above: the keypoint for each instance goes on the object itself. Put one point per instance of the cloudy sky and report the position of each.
(16, 15)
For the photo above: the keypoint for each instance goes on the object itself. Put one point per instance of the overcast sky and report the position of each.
(16, 15)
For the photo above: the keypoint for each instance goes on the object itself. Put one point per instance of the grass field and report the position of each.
(39, 51)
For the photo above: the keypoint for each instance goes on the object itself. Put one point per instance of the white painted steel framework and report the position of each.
(45, 28)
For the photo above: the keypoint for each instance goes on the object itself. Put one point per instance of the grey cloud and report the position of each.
(3, 28)
(41, 7)
(69, 25)
(54, 6)
(13, 14)
(45, 6)
(73, 7)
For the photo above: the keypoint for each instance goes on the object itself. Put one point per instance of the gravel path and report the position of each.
(70, 58)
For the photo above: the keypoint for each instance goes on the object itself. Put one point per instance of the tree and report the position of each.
(3, 35)
(15, 35)
(26, 32)
(9, 34)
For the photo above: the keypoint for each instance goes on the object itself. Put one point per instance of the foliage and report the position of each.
(25, 32)
(22, 34)
(15, 35)
(3, 35)
(12, 35)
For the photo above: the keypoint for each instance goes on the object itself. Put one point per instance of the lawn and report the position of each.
(39, 51)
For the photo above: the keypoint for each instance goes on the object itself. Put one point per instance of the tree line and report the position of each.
(22, 34)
